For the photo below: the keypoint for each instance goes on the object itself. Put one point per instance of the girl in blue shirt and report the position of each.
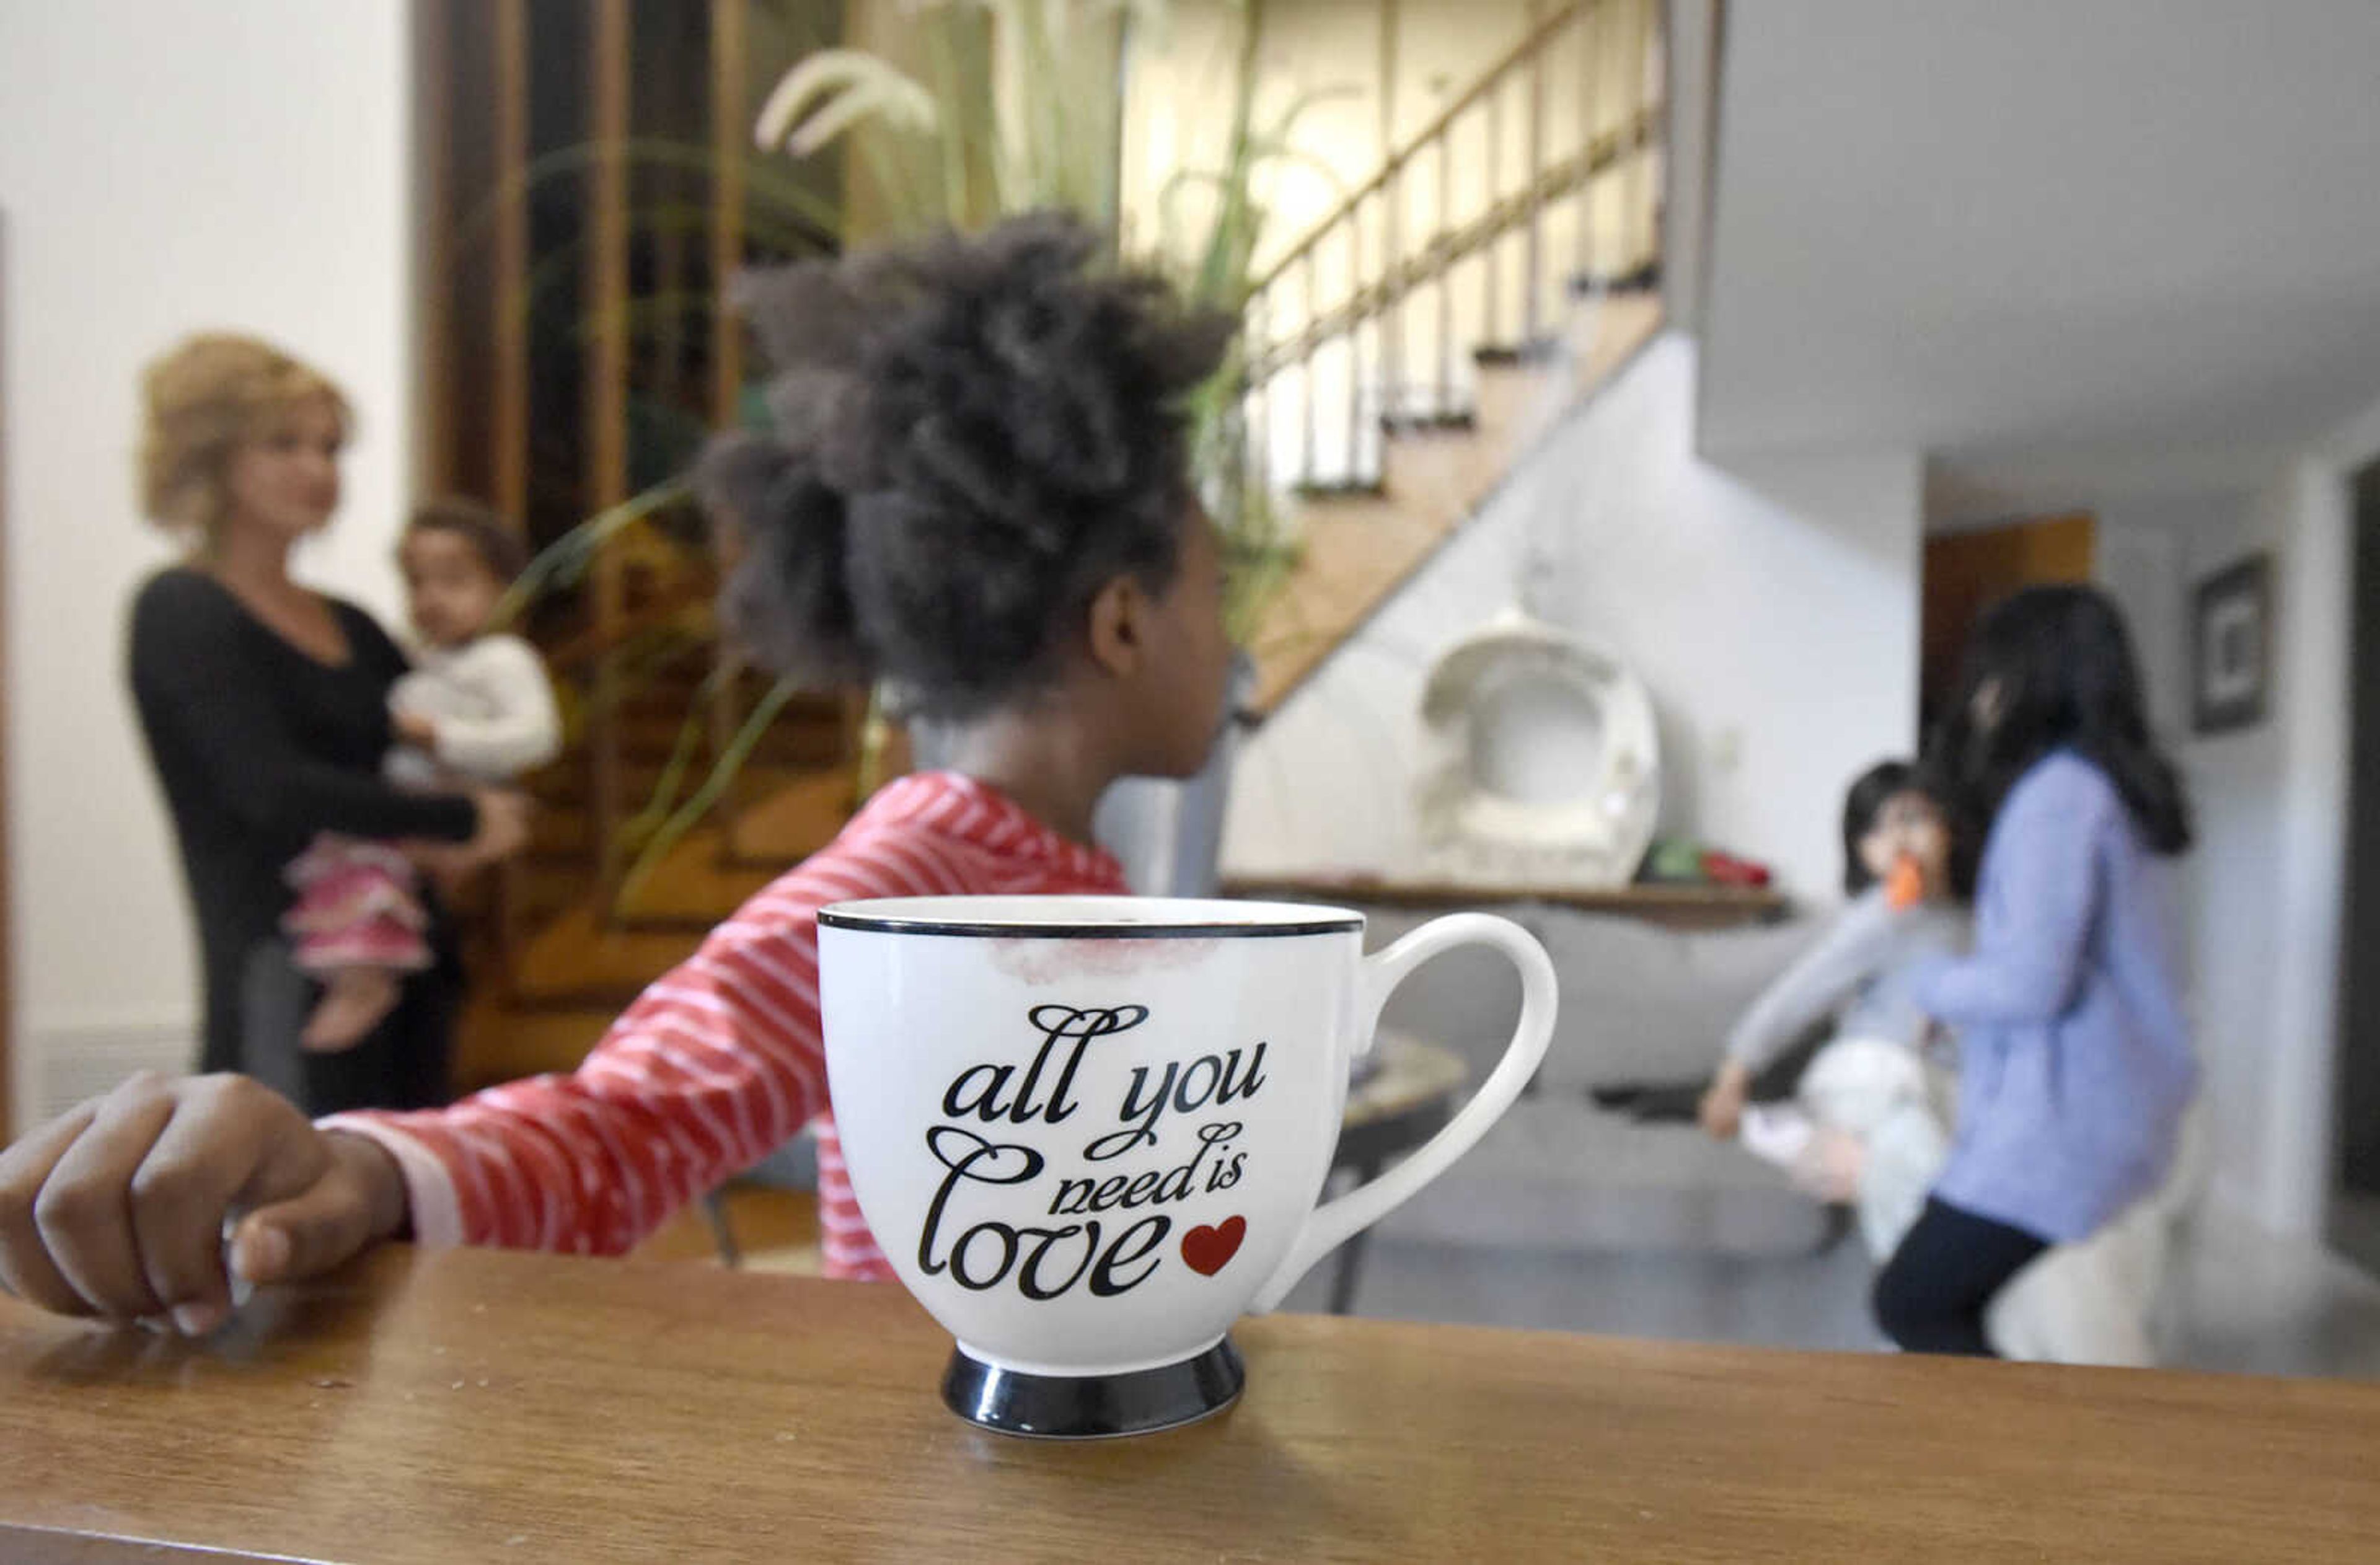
(2075, 1065)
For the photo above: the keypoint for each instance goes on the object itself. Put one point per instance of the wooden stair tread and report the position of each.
(657, 735)
(794, 822)
(783, 812)
(498, 1042)
(706, 876)
(582, 960)
(1609, 337)
(558, 833)
(695, 886)
(641, 778)
(585, 963)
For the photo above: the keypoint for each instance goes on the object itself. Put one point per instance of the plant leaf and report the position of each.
(854, 85)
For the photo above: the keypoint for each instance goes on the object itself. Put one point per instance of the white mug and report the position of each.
(1088, 1133)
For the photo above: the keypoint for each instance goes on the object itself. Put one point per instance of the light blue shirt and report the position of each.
(2075, 1064)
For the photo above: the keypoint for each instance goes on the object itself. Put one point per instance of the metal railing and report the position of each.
(1539, 182)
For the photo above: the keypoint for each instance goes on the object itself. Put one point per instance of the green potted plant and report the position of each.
(983, 116)
(941, 154)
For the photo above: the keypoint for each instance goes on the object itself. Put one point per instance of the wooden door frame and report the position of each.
(2348, 1223)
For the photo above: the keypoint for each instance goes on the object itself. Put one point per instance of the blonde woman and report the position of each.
(265, 708)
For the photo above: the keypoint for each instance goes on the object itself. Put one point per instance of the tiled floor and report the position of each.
(2242, 1300)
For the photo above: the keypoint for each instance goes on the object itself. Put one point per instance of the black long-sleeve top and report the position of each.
(260, 746)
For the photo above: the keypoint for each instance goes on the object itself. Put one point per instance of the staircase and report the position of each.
(1414, 345)
(1359, 543)
(1404, 355)
(564, 940)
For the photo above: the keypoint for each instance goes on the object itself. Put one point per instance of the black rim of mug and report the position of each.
(874, 924)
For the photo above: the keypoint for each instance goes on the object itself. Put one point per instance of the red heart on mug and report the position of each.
(1208, 1250)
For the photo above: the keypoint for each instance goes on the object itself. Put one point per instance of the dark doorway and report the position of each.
(2355, 1180)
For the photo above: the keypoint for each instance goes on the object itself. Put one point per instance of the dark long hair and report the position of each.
(1861, 806)
(2059, 664)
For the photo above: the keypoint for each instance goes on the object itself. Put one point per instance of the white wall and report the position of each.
(2262, 887)
(2313, 654)
(2152, 550)
(1774, 616)
(166, 167)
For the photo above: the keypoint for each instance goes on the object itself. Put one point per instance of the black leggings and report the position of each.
(1932, 1297)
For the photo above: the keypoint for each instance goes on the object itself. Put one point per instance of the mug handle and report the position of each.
(1334, 1223)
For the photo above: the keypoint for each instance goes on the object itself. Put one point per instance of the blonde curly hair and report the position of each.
(202, 402)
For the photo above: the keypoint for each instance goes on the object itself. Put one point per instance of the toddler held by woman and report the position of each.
(476, 708)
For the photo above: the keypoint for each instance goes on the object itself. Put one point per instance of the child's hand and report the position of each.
(116, 1207)
(416, 729)
(1721, 1113)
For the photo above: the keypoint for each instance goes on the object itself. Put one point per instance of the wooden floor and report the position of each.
(2236, 1300)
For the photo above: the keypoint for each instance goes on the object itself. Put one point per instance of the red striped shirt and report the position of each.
(719, 1063)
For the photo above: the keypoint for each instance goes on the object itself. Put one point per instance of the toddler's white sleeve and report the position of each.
(526, 731)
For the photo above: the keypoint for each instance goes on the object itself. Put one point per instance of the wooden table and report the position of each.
(480, 1406)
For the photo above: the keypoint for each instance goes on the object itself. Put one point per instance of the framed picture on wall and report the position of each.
(2231, 647)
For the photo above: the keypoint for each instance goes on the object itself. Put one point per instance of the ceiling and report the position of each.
(2010, 231)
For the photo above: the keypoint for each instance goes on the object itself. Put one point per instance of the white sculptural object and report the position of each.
(1541, 763)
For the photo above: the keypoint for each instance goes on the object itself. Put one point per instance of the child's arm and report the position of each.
(716, 1065)
(527, 731)
(1855, 946)
(2033, 925)
(119, 1206)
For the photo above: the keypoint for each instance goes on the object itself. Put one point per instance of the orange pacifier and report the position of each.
(1904, 887)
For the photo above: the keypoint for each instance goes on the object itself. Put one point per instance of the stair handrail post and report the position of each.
(1590, 113)
(1257, 400)
(1355, 291)
(1311, 348)
(1487, 299)
(1533, 266)
(1404, 268)
(1445, 389)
